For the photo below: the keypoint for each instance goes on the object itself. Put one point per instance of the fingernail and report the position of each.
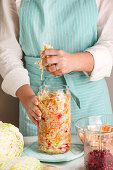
(36, 102)
(40, 114)
(39, 118)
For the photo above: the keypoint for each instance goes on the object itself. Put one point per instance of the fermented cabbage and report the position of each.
(54, 129)
(39, 62)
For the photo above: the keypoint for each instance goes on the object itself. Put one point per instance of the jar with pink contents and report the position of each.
(98, 149)
(54, 129)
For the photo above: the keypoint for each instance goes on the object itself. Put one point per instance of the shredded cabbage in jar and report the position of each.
(54, 129)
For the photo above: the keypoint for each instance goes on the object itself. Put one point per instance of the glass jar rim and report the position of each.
(55, 86)
(94, 132)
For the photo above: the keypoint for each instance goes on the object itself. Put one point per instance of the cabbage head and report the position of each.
(22, 163)
(11, 142)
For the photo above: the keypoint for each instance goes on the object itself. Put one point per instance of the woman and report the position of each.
(80, 57)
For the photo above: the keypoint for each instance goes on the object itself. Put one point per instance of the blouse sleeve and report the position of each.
(11, 66)
(102, 51)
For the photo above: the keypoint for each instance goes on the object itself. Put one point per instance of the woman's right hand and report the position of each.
(32, 109)
(30, 102)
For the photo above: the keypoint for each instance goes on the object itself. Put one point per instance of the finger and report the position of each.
(58, 72)
(51, 68)
(50, 52)
(33, 114)
(35, 100)
(33, 119)
(36, 110)
(50, 60)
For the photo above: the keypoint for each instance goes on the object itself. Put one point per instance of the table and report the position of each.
(77, 164)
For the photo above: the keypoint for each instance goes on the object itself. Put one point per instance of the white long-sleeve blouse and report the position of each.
(11, 66)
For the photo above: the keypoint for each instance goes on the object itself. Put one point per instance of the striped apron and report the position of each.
(70, 25)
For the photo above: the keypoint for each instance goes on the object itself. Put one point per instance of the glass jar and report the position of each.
(98, 148)
(54, 128)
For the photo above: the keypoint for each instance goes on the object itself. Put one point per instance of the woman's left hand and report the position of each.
(58, 62)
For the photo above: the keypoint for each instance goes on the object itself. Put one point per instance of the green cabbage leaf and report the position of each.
(22, 163)
(11, 142)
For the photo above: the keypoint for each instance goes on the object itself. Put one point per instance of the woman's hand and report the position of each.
(33, 111)
(59, 62)
(30, 102)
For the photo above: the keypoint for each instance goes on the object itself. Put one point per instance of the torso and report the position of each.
(70, 26)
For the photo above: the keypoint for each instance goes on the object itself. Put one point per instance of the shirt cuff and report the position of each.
(102, 62)
(14, 80)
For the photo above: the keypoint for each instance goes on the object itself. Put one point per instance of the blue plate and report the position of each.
(76, 151)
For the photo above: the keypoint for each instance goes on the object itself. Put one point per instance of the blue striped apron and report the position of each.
(70, 25)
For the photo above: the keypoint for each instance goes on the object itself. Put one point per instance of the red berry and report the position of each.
(66, 147)
(99, 160)
(59, 116)
(103, 155)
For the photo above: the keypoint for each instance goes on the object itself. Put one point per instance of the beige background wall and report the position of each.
(9, 105)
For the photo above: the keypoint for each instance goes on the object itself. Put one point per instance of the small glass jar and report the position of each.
(54, 128)
(98, 148)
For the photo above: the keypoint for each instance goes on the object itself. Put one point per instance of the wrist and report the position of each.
(83, 61)
(24, 93)
(74, 62)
